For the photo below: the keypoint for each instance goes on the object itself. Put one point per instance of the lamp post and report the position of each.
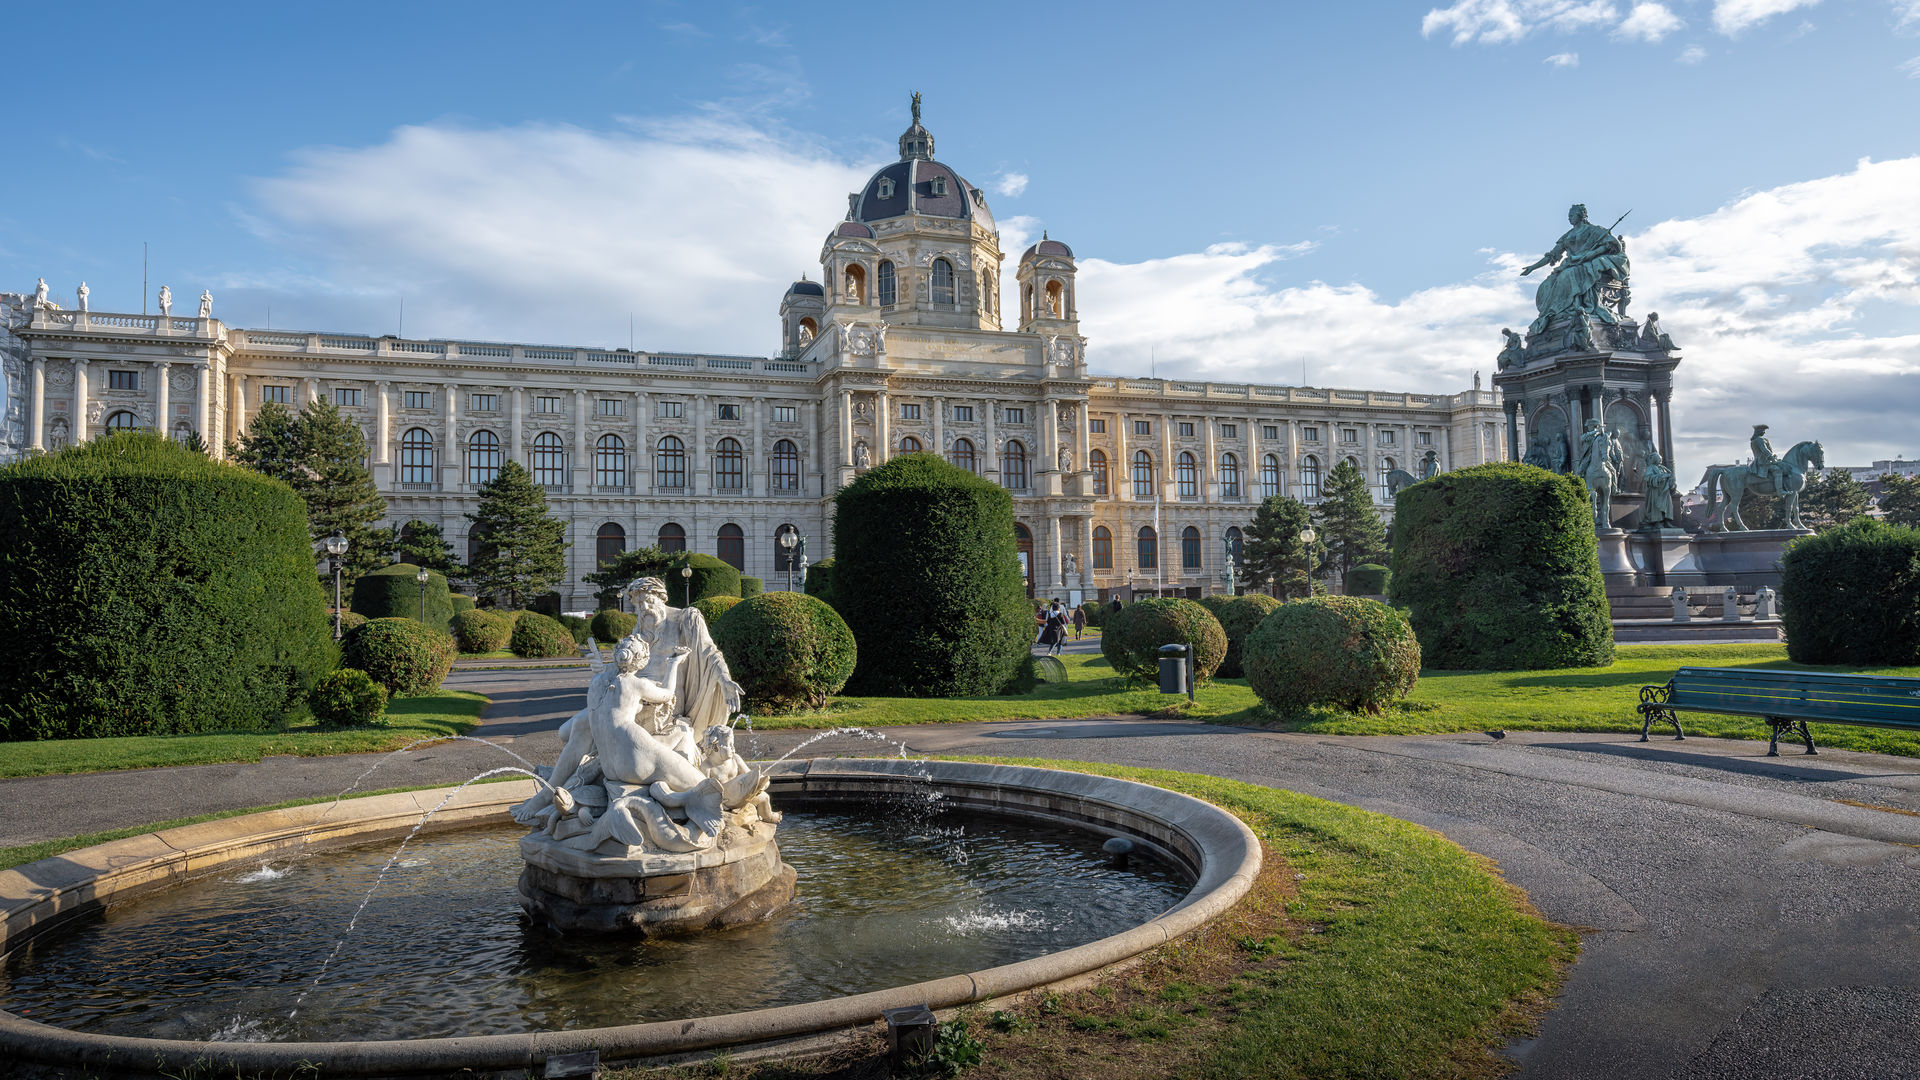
(336, 547)
(686, 586)
(421, 576)
(1307, 537)
(787, 541)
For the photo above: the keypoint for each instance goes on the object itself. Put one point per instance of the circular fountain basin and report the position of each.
(1202, 843)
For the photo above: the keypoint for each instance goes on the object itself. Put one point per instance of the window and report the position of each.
(549, 460)
(942, 281)
(672, 410)
(909, 445)
(1142, 474)
(785, 560)
(1102, 548)
(728, 466)
(486, 403)
(1016, 416)
(1229, 476)
(1143, 427)
(671, 538)
(1186, 429)
(346, 395)
(1097, 427)
(122, 421)
(1349, 435)
(1186, 476)
(1229, 431)
(1310, 478)
(909, 410)
(1147, 549)
(1387, 437)
(726, 410)
(1272, 431)
(609, 543)
(278, 394)
(670, 465)
(483, 457)
(939, 185)
(546, 404)
(987, 298)
(887, 287)
(612, 407)
(610, 461)
(1309, 434)
(1386, 466)
(1013, 465)
(416, 457)
(123, 380)
(886, 188)
(785, 414)
(1189, 548)
(731, 546)
(1424, 438)
(1097, 464)
(963, 454)
(786, 466)
(1269, 476)
(418, 399)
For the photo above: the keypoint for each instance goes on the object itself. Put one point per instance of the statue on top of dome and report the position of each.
(916, 106)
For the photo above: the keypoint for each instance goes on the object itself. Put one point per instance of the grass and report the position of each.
(444, 712)
(1368, 947)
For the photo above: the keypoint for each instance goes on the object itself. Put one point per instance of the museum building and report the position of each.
(901, 346)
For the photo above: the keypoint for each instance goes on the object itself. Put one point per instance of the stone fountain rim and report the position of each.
(1217, 847)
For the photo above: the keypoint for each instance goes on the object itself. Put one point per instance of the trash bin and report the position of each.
(1174, 675)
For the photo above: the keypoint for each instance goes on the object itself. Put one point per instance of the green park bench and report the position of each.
(1784, 699)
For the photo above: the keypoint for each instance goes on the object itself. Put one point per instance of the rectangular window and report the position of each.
(1349, 435)
(1424, 438)
(1186, 429)
(1097, 427)
(1270, 432)
(1387, 437)
(123, 380)
(346, 395)
(275, 393)
(1143, 427)
(909, 411)
(1229, 431)
(785, 414)
(1016, 416)
(672, 410)
(611, 407)
(486, 403)
(1309, 434)
(419, 399)
(725, 411)
(546, 404)
(963, 412)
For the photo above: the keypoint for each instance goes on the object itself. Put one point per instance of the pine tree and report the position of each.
(522, 551)
(1900, 499)
(1352, 529)
(321, 455)
(1831, 499)
(629, 567)
(423, 544)
(1273, 552)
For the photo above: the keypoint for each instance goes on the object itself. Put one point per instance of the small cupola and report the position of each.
(916, 143)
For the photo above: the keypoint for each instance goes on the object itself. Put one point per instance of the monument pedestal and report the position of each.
(741, 880)
(1749, 558)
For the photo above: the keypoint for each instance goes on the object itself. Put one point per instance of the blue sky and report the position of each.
(1249, 186)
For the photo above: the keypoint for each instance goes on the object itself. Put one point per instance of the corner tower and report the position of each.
(1045, 278)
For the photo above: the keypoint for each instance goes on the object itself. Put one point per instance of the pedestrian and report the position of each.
(1079, 622)
(1054, 633)
(1039, 624)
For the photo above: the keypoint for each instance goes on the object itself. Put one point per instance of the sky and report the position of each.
(1340, 193)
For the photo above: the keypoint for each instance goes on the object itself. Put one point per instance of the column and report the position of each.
(311, 387)
(1120, 469)
(161, 399)
(79, 401)
(846, 428)
(990, 465)
(513, 448)
(582, 476)
(237, 415)
(1209, 469)
(1050, 438)
(641, 474)
(451, 474)
(698, 482)
(1167, 492)
(382, 437)
(756, 450)
(37, 438)
(1665, 399)
(1086, 554)
(1055, 554)
(1083, 436)
(939, 407)
(204, 390)
(1296, 458)
(882, 427)
(813, 452)
(1513, 428)
(1250, 472)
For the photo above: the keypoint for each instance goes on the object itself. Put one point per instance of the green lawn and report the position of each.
(445, 712)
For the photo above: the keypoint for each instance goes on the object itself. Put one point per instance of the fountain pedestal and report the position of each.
(740, 880)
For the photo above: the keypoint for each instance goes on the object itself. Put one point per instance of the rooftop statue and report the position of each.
(206, 304)
(166, 300)
(1586, 260)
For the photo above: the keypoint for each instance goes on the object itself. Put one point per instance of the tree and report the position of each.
(1273, 552)
(422, 543)
(1832, 498)
(321, 455)
(522, 551)
(1900, 499)
(628, 566)
(1354, 533)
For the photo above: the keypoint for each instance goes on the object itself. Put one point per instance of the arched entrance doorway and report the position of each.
(1023, 543)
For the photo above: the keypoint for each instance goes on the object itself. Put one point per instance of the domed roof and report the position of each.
(1047, 247)
(853, 228)
(803, 287)
(917, 184)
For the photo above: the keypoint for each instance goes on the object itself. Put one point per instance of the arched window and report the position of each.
(963, 454)
(987, 292)
(670, 469)
(1310, 477)
(784, 559)
(1189, 548)
(671, 538)
(731, 546)
(549, 460)
(416, 456)
(909, 445)
(808, 331)
(887, 286)
(1102, 548)
(856, 284)
(1229, 476)
(1142, 475)
(1386, 466)
(608, 543)
(1056, 301)
(1269, 476)
(1187, 475)
(610, 461)
(786, 466)
(1013, 465)
(1147, 549)
(942, 278)
(483, 457)
(1097, 464)
(122, 421)
(728, 473)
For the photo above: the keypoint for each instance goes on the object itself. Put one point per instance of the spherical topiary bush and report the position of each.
(403, 655)
(751, 587)
(392, 593)
(1367, 579)
(351, 620)
(712, 607)
(1498, 569)
(786, 650)
(461, 602)
(346, 697)
(1345, 651)
(1238, 617)
(1132, 638)
(1852, 595)
(578, 627)
(711, 577)
(1215, 603)
(535, 635)
(481, 631)
(612, 624)
(927, 575)
(147, 590)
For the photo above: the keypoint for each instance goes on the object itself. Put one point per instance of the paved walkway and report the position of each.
(1748, 916)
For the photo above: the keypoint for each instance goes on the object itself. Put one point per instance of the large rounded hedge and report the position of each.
(819, 580)
(1238, 616)
(402, 655)
(712, 607)
(346, 697)
(1367, 579)
(785, 649)
(392, 593)
(1132, 638)
(481, 630)
(147, 590)
(536, 636)
(1498, 569)
(927, 576)
(1346, 651)
(1852, 595)
(612, 624)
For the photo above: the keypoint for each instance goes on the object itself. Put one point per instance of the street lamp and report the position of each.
(421, 576)
(336, 546)
(686, 586)
(788, 539)
(1307, 537)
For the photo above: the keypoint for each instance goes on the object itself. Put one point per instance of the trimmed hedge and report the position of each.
(461, 602)
(1345, 651)
(1238, 617)
(349, 621)
(713, 607)
(1096, 612)
(819, 580)
(1368, 579)
(711, 577)
(148, 590)
(751, 587)
(612, 624)
(1131, 640)
(926, 573)
(401, 654)
(347, 697)
(578, 627)
(1215, 603)
(786, 650)
(391, 593)
(547, 603)
(1851, 595)
(535, 635)
(1498, 569)
(481, 630)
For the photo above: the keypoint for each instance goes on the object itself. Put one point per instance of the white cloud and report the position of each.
(1730, 17)
(1010, 184)
(1912, 68)
(1564, 60)
(1649, 22)
(1492, 22)
(1908, 14)
(1692, 54)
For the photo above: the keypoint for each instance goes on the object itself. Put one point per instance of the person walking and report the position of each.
(1079, 622)
(1054, 632)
